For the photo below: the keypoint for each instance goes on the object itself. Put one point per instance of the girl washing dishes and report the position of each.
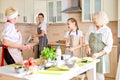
(12, 39)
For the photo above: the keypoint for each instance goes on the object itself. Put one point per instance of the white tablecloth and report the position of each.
(76, 70)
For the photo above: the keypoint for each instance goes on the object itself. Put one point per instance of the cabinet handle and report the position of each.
(25, 18)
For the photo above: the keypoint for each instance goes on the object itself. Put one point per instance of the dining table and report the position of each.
(53, 73)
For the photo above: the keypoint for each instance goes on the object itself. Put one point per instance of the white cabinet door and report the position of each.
(54, 8)
(58, 11)
(118, 9)
(111, 8)
(28, 11)
(25, 9)
(40, 6)
(89, 7)
(86, 14)
(51, 8)
(15, 3)
(54, 11)
(97, 5)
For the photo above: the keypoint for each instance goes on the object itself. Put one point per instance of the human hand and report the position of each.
(95, 55)
(88, 51)
(67, 44)
(34, 35)
(28, 47)
(71, 49)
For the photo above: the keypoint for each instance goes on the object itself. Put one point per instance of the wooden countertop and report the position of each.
(54, 43)
(33, 43)
(62, 44)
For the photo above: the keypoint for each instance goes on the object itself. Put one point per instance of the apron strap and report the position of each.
(9, 21)
(2, 57)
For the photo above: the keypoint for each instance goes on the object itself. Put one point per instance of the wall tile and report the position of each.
(57, 31)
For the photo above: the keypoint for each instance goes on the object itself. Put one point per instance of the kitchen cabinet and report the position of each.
(28, 11)
(7, 3)
(55, 8)
(118, 9)
(40, 6)
(30, 53)
(24, 7)
(111, 8)
(113, 63)
(51, 9)
(91, 6)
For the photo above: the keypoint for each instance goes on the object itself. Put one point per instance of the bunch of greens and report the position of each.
(49, 53)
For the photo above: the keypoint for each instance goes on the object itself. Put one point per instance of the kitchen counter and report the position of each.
(55, 44)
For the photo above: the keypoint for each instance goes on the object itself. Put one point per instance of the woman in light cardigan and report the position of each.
(99, 41)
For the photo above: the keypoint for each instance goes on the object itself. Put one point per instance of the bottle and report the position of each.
(59, 53)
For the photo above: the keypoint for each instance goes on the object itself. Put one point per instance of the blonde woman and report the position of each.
(99, 43)
(42, 33)
(12, 39)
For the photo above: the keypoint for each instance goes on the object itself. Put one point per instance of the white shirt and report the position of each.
(107, 37)
(43, 27)
(10, 33)
(79, 34)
